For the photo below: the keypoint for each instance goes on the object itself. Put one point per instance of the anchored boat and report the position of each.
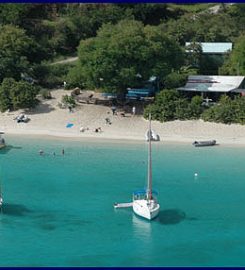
(204, 143)
(144, 202)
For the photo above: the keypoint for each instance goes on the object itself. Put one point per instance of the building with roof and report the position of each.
(214, 86)
(213, 47)
(212, 55)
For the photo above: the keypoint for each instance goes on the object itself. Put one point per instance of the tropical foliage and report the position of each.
(235, 64)
(171, 105)
(119, 52)
(16, 95)
(116, 43)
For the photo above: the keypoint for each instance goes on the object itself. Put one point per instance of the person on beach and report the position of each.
(98, 130)
(134, 110)
(113, 108)
(108, 121)
(82, 129)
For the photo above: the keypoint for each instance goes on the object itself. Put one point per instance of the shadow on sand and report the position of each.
(171, 216)
(14, 209)
(40, 109)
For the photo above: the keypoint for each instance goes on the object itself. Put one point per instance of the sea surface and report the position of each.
(58, 209)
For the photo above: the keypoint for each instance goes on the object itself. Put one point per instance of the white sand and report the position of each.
(49, 119)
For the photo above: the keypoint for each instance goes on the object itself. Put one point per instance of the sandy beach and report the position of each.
(48, 119)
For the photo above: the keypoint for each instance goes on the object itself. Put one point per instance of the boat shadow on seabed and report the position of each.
(14, 210)
(6, 149)
(170, 216)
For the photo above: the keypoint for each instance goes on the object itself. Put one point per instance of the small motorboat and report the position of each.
(22, 118)
(204, 143)
(2, 141)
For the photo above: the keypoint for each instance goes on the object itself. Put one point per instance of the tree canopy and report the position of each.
(119, 52)
(119, 43)
(235, 63)
(15, 95)
(15, 51)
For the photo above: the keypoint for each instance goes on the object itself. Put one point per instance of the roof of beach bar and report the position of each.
(206, 83)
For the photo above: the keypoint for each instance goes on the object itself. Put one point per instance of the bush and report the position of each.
(221, 113)
(195, 107)
(51, 76)
(170, 105)
(75, 77)
(182, 110)
(69, 101)
(239, 109)
(164, 106)
(175, 80)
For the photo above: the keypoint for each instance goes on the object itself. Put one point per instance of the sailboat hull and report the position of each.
(2, 145)
(146, 209)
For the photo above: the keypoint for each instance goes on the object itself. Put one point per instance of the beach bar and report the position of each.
(214, 86)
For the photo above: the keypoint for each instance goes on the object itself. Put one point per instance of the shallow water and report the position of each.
(58, 210)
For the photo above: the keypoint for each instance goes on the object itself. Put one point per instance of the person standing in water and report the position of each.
(63, 151)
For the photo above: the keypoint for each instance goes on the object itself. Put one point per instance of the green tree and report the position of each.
(15, 95)
(175, 80)
(5, 98)
(15, 48)
(235, 64)
(164, 107)
(112, 60)
(222, 113)
(239, 109)
(194, 53)
(195, 107)
(23, 95)
(182, 111)
(12, 13)
(203, 27)
(76, 77)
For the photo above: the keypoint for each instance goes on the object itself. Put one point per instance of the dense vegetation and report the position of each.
(119, 52)
(16, 95)
(116, 43)
(171, 105)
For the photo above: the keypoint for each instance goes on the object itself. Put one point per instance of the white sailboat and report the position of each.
(144, 202)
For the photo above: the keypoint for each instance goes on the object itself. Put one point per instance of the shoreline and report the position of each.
(48, 120)
(100, 138)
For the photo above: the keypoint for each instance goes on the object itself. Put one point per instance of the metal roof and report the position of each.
(206, 83)
(214, 47)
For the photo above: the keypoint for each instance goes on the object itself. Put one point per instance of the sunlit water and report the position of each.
(58, 210)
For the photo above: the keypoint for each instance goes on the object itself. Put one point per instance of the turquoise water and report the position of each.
(59, 209)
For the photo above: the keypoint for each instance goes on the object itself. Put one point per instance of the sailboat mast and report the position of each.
(149, 181)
